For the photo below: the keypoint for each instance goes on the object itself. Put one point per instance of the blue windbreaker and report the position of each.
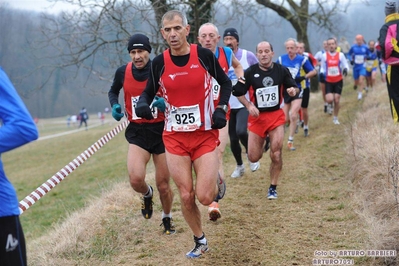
(16, 129)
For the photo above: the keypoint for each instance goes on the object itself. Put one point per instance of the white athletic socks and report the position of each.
(149, 192)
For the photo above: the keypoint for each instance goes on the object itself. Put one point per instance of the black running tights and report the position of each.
(238, 132)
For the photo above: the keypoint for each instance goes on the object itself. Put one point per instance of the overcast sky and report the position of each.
(44, 5)
(36, 5)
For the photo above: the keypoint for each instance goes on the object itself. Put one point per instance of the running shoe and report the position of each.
(306, 132)
(169, 227)
(146, 206)
(267, 145)
(336, 122)
(325, 108)
(272, 194)
(254, 166)
(359, 96)
(221, 188)
(198, 250)
(330, 109)
(290, 145)
(238, 172)
(214, 212)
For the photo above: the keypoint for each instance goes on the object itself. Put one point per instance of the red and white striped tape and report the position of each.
(69, 168)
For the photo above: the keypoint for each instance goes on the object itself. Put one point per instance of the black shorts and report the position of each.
(12, 242)
(147, 136)
(289, 99)
(305, 98)
(335, 87)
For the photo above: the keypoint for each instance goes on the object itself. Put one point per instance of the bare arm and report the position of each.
(253, 111)
(238, 69)
(311, 74)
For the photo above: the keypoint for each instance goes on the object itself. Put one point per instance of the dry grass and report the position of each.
(373, 141)
(319, 206)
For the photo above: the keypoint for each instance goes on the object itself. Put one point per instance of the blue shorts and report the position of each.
(321, 78)
(368, 73)
(359, 71)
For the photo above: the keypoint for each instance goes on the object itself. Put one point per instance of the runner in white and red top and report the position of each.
(239, 115)
(184, 74)
(333, 66)
(208, 37)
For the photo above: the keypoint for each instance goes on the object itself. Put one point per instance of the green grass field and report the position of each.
(30, 166)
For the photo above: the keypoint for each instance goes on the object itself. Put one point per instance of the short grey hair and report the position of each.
(173, 13)
(291, 39)
(208, 24)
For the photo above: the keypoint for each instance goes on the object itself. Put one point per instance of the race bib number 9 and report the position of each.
(215, 89)
(186, 118)
(267, 97)
(135, 99)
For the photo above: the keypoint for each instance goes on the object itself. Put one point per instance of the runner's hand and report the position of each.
(345, 72)
(219, 119)
(239, 89)
(159, 103)
(299, 79)
(117, 111)
(143, 110)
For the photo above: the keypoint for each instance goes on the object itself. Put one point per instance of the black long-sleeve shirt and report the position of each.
(119, 78)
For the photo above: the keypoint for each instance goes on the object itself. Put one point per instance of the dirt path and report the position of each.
(313, 211)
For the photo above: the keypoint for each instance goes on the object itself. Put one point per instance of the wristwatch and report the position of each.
(242, 78)
(223, 107)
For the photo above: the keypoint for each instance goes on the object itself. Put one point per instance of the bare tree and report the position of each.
(94, 36)
(322, 13)
(200, 12)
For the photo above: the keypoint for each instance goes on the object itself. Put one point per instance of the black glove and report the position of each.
(299, 79)
(219, 119)
(143, 110)
(239, 89)
(352, 62)
(345, 72)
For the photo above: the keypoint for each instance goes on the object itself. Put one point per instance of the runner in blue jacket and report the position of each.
(16, 129)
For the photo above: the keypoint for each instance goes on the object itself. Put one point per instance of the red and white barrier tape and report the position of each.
(69, 168)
